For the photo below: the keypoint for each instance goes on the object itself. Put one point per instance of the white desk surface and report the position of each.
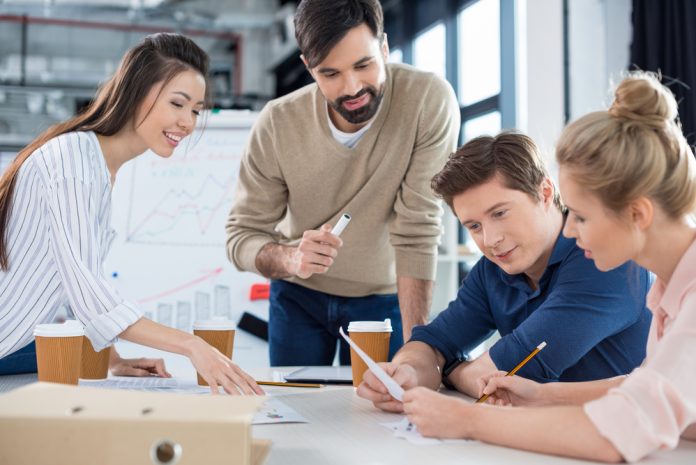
(345, 429)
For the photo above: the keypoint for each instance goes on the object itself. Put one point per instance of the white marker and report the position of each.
(341, 225)
(396, 391)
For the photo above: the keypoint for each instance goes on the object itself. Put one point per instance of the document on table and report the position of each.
(406, 430)
(154, 383)
(273, 410)
(396, 391)
(151, 383)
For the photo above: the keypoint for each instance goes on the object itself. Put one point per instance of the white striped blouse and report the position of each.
(58, 235)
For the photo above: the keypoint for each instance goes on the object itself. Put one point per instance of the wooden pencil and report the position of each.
(514, 370)
(284, 384)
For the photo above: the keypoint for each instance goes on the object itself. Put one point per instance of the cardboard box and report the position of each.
(55, 424)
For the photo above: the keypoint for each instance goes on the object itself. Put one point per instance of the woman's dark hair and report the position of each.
(157, 59)
(321, 24)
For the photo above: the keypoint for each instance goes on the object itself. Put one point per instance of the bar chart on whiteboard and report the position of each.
(169, 215)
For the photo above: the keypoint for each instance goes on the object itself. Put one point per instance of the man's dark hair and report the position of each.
(321, 24)
(511, 155)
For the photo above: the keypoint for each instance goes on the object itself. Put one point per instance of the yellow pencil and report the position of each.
(283, 384)
(514, 370)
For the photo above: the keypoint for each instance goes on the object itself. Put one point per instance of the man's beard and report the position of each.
(364, 113)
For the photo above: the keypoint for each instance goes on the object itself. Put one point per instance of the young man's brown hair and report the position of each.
(511, 155)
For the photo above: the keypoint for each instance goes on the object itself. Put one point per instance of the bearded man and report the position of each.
(365, 139)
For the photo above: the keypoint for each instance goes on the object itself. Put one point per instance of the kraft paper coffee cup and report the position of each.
(59, 352)
(94, 365)
(217, 333)
(373, 338)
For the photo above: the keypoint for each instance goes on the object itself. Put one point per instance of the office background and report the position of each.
(526, 64)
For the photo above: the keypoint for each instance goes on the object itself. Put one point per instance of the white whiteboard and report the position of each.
(169, 215)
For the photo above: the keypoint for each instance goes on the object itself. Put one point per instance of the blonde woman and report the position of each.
(628, 178)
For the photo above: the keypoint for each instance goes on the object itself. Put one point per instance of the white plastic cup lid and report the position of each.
(59, 330)
(215, 325)
(370, 326)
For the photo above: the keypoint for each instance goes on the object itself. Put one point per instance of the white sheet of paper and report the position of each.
(133, 383)
(153, 383)
(274, 411)
(396, 391)
(404, 429)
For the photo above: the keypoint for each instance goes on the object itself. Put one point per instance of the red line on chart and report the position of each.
(205, 277)
(203, 223)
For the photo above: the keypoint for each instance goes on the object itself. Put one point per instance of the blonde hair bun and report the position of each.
(641, 98)
(634, 149)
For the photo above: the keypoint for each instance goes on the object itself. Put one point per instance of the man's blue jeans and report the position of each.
(303, 326)
(22, 361)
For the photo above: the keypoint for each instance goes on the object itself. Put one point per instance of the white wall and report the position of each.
(599, 41)
(540, 71)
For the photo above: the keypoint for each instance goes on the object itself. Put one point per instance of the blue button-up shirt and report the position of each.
(595, 323)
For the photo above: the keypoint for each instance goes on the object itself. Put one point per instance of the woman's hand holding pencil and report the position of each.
(510, 390)
(503, 388)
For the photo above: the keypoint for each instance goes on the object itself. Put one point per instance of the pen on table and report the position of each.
(284, 384)
(514, 370)
(341, 224)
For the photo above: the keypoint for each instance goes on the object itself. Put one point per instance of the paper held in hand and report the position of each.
(394, 389)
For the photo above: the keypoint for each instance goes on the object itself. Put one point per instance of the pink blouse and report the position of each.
(656, 404)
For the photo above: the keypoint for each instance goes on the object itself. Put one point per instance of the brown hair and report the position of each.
(511, 155)
(157, 59)
(634, 149)
(320, 24)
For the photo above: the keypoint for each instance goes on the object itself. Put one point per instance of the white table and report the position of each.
(345, 429)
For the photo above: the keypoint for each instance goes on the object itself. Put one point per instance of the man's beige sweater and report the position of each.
(296, 176)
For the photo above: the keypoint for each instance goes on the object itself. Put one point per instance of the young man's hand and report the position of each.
(373, 390)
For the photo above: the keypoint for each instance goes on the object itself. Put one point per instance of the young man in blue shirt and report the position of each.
(532, 285)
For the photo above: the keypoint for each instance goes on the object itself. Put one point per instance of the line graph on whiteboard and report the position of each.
(190, 211)
(169, 215)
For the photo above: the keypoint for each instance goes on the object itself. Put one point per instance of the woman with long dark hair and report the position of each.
(55, 205)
